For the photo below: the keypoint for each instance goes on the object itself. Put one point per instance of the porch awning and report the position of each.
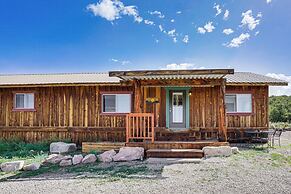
(171, 74)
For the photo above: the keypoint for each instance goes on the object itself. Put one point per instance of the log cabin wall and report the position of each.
(61, 113)
(259, 119)
(77, 106)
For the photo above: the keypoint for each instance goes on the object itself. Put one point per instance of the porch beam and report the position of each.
(222, 113)
(171, 72)
(182, 82)
(138, 103)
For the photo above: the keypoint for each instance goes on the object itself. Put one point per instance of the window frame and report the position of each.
(15, 109)
(115, 93)
(241, 113)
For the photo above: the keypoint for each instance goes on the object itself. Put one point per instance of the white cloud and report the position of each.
(249, 20)
(236, 42)
(218, 9)
(122, 62)
(227, 31)
(172, 32)
(113, 9)
(158, 13)
(178, 12)
(226, 15)
(162, 29)
(172, 20)
(201, 30)
(209, 27)
(176, 66)
(257, 33)
(186, 39)
(280, 90)
(157, 41)
(175, 39)
(148, 22)
(268, 1)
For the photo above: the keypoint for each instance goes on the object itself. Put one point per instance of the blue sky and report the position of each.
(68, 36)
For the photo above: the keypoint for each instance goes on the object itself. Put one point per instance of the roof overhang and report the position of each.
(171, 74)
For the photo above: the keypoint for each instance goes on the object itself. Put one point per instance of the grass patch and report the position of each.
(113, 171)
(280, 160)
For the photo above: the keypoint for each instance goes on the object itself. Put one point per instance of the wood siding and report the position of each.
(259, 118)
(61, 107)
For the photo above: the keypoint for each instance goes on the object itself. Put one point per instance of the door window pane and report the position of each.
(177, 107)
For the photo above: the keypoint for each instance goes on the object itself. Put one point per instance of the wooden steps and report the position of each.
(174, 153)
(101, 146)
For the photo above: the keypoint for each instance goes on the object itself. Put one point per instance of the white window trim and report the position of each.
(114, 94)
(237, 112)
(25, 93)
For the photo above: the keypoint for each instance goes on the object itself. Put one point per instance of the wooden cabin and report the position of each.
(134, 106)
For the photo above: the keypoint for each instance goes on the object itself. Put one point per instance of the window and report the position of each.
(116, 103)
(24, 101)
(238, 103)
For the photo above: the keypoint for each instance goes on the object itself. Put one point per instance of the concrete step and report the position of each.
(174, 153)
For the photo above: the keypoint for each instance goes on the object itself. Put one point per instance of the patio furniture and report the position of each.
(277, 136)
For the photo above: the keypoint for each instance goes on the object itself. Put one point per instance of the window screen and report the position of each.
(24, 101)
(238, 103)
(116, 103)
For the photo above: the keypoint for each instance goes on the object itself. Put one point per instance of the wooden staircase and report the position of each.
(174, 153)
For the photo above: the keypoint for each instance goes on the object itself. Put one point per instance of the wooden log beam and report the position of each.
(181, 82)
(171, 72)
(222, 114)
(138, 104)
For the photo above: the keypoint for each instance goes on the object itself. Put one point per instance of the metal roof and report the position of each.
(253, 78)
(237, 78)
(65, 78)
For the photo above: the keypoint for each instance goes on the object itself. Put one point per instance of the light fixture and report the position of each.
(190, 93)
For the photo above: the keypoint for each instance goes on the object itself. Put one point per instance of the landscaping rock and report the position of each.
(234, 150)
(210, 151)
(12, 166)
(66, 162)
(61, 147)
(56, 158)
(77, 159)
(107, 156)
(31, 167)
(129, 154)
(90, 158)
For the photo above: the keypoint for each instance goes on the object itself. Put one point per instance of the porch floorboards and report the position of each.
(176, 144)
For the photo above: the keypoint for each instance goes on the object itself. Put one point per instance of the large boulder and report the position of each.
(56, 158)
(107, 156)
(66, 162)
(221, 151)
(77, 159)
(234, 150)
(31, 167)
(129, 154)
(61, 147)
(90, 158)
(12, 166)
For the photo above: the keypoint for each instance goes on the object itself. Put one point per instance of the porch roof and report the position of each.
(172, 74)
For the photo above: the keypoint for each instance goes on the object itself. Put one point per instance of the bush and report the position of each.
(280, 109)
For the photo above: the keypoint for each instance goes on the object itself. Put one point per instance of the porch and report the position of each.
(176, 105)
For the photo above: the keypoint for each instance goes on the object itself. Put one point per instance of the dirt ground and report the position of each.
(254, 170)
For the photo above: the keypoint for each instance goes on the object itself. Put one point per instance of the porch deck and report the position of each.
(176, 144)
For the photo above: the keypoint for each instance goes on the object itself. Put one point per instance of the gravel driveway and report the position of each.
(251, 171)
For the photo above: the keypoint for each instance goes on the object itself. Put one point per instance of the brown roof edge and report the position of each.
(171, 72)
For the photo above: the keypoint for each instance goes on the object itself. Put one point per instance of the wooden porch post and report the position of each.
(138, 104)
(222, 113)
